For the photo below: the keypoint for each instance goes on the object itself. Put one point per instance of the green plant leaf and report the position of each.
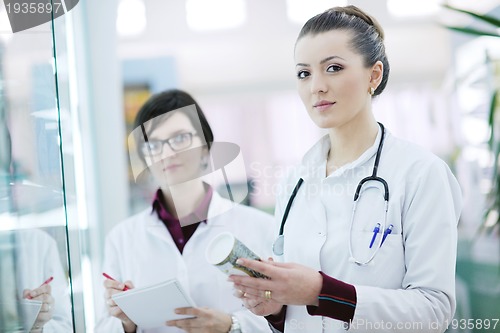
(473, 31)
(496, 178)
(491, 119)
(493, 141)
(485, 18)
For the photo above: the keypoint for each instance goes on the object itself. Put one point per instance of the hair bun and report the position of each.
(355, 11)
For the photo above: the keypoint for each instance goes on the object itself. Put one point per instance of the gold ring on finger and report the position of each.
(267, 294)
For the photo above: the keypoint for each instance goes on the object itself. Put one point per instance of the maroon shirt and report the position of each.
(182, 234)
(337, 300)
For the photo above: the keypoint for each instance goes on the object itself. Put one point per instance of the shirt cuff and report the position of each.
(337, 300)
(278, 321)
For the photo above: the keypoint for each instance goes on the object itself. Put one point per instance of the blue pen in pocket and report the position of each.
(386, 232)
(375, 232)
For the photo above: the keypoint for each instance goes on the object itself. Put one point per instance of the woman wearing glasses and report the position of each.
(367, 239)
(173, 138)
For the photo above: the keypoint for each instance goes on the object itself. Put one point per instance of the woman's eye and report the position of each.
(154, 145)
(179, 138)
(151, 147)
(334, 68)
(302, 75)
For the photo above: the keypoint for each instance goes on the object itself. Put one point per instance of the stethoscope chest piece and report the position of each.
(279, 245)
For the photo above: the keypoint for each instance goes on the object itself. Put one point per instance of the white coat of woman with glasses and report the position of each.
(367, 231)
(168, 240)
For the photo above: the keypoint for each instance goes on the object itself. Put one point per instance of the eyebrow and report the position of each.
(173, 134)
(321, 62)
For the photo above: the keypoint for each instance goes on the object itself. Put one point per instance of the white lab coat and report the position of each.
(411, 281)
(37, 260)
(141, 250)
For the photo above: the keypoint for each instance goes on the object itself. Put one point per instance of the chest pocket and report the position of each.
(388, 266)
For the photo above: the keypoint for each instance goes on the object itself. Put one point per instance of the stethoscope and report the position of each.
(279, 243)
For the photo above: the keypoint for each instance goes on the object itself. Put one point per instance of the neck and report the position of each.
(182, 199)
(349, 141)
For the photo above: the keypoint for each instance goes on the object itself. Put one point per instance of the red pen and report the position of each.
(109, 277)
(44, 283)
(49, 280)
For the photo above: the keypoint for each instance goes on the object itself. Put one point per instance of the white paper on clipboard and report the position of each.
(152, 306)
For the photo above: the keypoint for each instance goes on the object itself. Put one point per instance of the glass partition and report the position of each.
(35, 271)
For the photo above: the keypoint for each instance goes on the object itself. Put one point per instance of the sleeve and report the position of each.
(105, 322)
(426, 301)
(337, 300)
(61, 321)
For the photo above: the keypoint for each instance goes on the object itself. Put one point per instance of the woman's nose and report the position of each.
(167, 151)
(318, 84)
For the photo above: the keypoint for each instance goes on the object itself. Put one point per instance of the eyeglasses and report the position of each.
(176, 143)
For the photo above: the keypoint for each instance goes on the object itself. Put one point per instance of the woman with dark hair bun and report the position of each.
(172, 142)
(367, 230)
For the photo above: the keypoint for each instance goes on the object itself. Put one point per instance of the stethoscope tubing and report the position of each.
(278, 245)
(289, 205)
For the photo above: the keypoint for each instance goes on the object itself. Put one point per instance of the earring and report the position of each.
(204, 162)
(372, 91)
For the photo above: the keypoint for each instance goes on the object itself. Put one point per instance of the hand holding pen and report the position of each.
(42, 294)
(33, 293)
(125, 288)
(113, 287)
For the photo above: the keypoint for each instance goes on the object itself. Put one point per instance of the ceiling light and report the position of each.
(405, 9)
(299, 11)
(131, 20)
(203, 15)
(5, 28)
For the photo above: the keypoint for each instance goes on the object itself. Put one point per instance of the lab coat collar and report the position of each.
(218, 206)
(198, 215)
(313, 165)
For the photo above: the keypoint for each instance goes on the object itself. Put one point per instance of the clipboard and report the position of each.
(152, 306)
(31, 309)
(21, 314)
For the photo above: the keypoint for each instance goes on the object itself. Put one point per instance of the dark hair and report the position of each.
(367, 39)
(171, 100)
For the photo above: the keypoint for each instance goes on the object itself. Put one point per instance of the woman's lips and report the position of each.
(171, 167)
(323, 105)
